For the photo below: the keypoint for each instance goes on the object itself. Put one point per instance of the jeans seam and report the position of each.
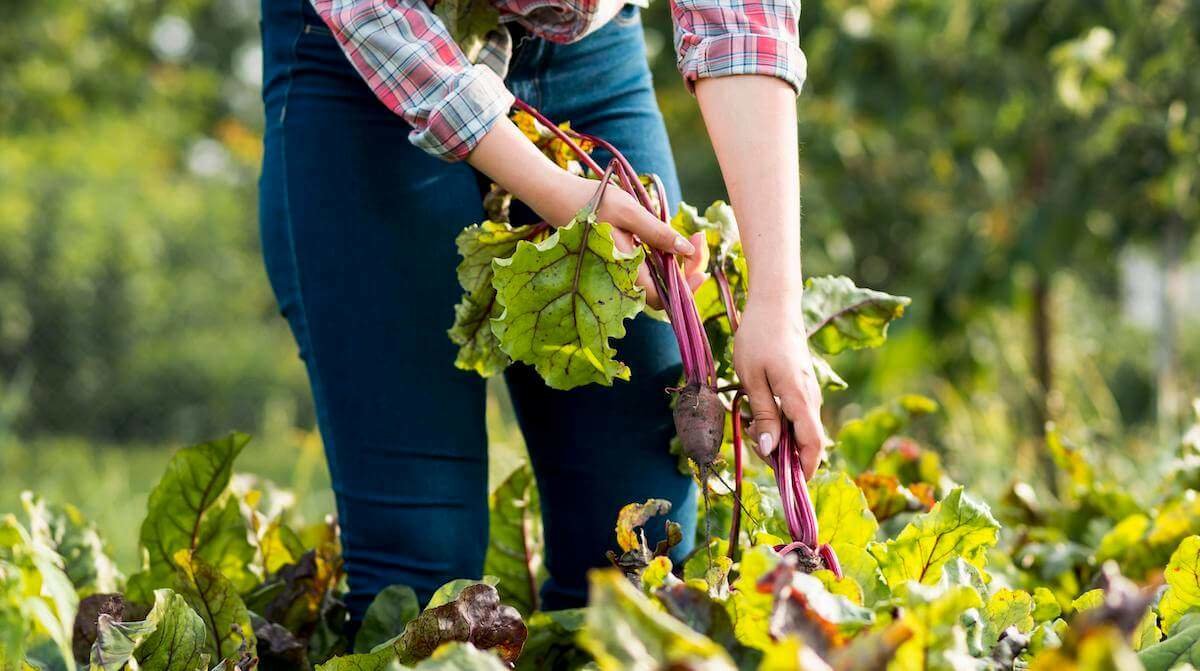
(294, 263)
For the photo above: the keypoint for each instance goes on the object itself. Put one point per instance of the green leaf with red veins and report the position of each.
(215, 598)
(478, 348)
(1183, 584)
(564, 298)
(958, 526)
(172, 638)
(842, 316)
(178, 640)
(191, 509)
(515, 547)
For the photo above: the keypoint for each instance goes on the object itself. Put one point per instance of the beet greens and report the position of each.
(519, 305)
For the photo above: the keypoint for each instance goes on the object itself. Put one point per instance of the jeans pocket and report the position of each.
(630, 15)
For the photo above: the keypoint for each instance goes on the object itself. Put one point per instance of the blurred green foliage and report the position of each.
(998, 161)
(133, 304)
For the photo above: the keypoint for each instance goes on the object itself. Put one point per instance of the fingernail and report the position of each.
(764, 445)
(684, 247)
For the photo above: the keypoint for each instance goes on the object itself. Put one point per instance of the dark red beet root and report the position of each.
(700, 423)
(807, 560)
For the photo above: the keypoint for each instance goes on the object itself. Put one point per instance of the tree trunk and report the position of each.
(1043, 370)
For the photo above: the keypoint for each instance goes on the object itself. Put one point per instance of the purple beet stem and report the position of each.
(694, 348)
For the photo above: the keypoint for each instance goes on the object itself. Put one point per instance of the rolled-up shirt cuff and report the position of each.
(476, 98)
(743, 54)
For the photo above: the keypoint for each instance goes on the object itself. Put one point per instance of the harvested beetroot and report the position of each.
(700, 423)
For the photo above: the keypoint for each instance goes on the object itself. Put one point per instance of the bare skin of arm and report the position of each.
(752, 122)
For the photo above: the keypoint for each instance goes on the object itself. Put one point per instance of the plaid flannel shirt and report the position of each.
(408, 58)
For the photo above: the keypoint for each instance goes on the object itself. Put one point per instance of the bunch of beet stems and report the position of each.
(698, 399)
(797, 505)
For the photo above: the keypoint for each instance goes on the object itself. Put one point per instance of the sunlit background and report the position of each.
(1025, 170)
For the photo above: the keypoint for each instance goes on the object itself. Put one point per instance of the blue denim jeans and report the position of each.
(358, 232)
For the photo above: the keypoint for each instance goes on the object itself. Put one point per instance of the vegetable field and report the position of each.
(933, 578)
(882, 560)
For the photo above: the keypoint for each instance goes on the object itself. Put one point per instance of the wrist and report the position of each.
(779, 286)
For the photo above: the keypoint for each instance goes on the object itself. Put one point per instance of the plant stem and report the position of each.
(736, 524)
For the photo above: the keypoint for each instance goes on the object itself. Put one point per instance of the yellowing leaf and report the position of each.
(750, 609)
(624, 630)
(631, 518)
(1007, 608)
(842, 512)
(479, 350)
(861, 566)
(958, 526)
(657, 574)
(470, 23)
(931, 616)
(1147, 632)
(1045, 605)
(1092, 598)
(1183, 583)
(564, 298)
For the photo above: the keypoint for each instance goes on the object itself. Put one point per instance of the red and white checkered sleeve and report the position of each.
(408, 59)
(718, 38)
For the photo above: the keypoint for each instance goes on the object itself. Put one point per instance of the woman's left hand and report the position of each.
(771, 357)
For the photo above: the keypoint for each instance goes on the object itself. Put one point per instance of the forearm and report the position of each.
(752, 122)
(509, 159)
(516, 164)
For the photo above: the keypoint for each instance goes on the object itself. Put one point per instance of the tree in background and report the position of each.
(132, 300)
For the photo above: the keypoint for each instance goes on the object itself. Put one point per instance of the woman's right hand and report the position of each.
(512, 161)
